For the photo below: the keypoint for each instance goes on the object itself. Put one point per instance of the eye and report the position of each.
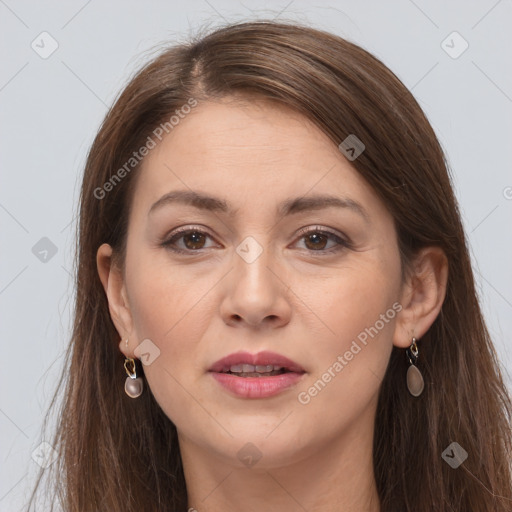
(188, 240)
(317, 238)
(192, 239)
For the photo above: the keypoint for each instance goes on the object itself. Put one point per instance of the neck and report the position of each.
(336, 476)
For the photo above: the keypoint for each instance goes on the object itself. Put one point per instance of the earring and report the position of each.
(415, 382)
(133, 385)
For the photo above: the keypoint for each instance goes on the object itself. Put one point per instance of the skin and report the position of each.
(293, 299)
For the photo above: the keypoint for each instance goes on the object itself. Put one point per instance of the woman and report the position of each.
(275, 304)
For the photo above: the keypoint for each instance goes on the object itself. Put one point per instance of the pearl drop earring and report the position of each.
(133, 385)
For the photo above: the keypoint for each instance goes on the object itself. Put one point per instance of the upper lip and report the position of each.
(261, 358)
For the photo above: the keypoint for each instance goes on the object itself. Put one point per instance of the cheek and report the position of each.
(164, 300)
(165, 315)
(355, 315)
(169, 307)
(346, 302)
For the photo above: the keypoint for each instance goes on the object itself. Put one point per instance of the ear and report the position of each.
(112, 279)
(422, 295)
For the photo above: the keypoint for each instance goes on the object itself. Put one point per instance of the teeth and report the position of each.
(257, 374)
(262, 369)
(249, 368)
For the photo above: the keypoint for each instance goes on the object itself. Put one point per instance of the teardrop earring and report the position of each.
(133, 385)
(415, 382)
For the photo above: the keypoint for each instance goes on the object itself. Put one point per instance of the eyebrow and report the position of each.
(288, 207)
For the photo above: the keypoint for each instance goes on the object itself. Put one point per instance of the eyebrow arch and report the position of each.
(288, 207)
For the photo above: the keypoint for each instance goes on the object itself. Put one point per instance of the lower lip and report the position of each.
(257, 387)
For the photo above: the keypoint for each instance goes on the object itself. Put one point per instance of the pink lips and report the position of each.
(256, 387)
(262, 358)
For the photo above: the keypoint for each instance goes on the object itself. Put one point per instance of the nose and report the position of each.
(256, 294)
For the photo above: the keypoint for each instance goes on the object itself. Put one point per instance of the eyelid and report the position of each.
(321, 229)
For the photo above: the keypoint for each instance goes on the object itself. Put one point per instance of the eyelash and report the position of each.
(168, 244)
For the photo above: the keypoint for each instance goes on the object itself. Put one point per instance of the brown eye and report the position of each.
(187, 241)
(316, 241)
(194, 240)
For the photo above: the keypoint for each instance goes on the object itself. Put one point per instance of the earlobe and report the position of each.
(112, 281)
(423, 295)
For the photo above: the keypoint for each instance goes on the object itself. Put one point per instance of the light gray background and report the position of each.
(51, 109)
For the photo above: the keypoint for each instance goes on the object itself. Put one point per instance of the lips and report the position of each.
(260, 359)
(256, 376)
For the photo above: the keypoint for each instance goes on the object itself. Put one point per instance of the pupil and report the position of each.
(318, 238)
(196, 239)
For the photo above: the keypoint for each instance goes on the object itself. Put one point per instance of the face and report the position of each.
(264, 266)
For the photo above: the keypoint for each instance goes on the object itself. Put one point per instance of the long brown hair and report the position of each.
(118, 454)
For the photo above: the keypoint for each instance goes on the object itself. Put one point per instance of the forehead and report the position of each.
(254, 153)
(232, 129)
